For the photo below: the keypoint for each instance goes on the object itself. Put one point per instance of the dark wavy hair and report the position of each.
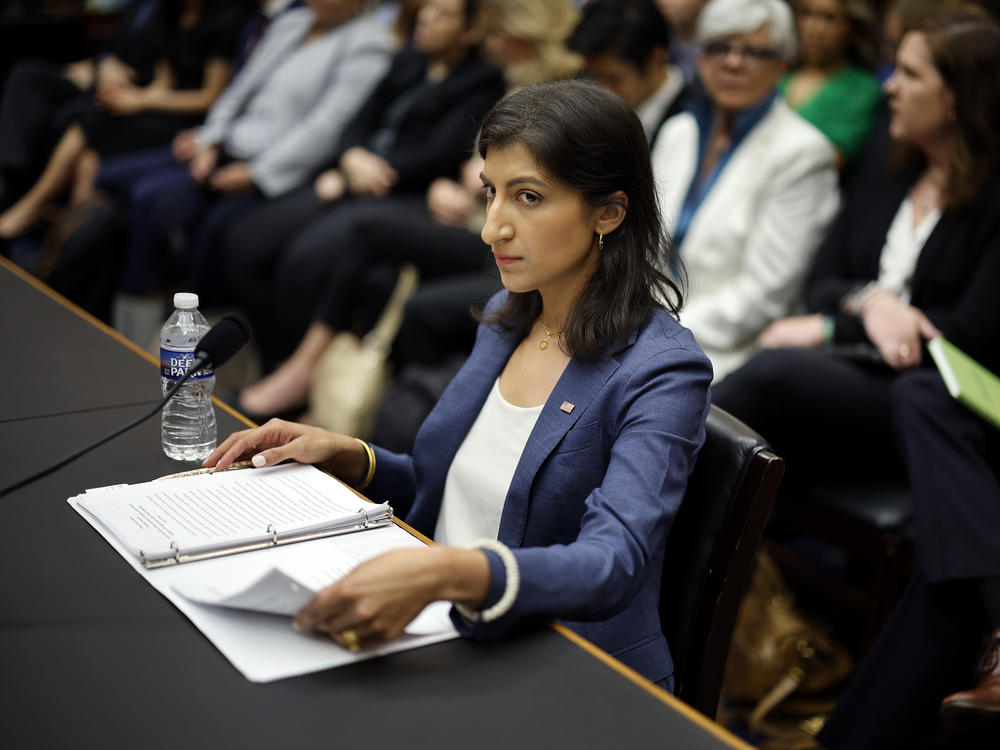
(588, 138)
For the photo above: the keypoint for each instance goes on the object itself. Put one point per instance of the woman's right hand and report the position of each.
(184, 146)
(278, 441)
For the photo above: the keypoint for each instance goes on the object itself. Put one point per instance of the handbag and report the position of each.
(352, 373)
(782, 666)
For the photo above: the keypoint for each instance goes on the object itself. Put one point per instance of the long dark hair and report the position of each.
(965, 48)
(967, 55)
(589, 139)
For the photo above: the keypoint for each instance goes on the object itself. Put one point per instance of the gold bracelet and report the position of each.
(371, 465)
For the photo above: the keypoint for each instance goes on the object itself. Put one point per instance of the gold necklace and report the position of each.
(544, 343)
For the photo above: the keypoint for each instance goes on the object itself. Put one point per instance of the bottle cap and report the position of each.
(186, 300)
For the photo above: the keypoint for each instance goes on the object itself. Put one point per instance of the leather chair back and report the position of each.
(710, 553)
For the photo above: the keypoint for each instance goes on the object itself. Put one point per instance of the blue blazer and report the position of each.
(596, 489)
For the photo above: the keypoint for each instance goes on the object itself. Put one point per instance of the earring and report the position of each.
(600, 239)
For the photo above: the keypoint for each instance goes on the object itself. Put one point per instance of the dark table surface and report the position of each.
(92, 656)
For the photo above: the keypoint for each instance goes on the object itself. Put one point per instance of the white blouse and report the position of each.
(481, 472)
(903, 243)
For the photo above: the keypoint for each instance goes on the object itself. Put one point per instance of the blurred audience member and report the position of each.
(253, 30)
(902, 15)
(401, 16)
(418, 124)
(624, 45)
(833, 86)
(40, 98)
(748, 187)
(914, 253)
(527, 39)
(682, 16)
(195, 41)
(272, 128)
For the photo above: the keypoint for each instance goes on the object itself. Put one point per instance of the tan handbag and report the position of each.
(782, 667)
(352, 373)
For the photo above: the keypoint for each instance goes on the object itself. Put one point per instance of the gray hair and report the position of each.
(722, 18)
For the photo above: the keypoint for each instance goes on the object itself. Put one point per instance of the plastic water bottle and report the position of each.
(187, 426)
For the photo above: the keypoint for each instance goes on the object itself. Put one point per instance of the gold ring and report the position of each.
(904, 350)
(350, 635)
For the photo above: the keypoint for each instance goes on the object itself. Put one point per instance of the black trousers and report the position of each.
(297, 260)
(438, 323)
(926, 651)
(825, 413)
(398, 232)
(952, 459)
(814, 406)
(253, 258)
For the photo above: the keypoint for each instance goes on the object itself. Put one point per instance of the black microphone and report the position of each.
(214, 349)
(224, 339)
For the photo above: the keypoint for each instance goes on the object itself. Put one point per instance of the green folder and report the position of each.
(967, 381)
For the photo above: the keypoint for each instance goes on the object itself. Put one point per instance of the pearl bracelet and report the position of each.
(506, 601)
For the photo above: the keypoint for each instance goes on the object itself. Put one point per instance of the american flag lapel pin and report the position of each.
(567, 407)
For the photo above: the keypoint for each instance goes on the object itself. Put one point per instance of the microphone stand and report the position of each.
(200, 361)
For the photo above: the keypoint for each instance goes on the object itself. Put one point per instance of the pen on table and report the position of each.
(207, 470)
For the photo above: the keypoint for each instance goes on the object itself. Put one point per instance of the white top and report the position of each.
(481, 472)
(903, 243)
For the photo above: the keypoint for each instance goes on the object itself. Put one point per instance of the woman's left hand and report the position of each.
(330, 185)
(448, 203)
(367, 173)
(896, 329)
(796, 332)
(380, 597)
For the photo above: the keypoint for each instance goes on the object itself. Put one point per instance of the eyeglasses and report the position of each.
(748, 53)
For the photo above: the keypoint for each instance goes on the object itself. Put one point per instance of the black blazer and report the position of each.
(956, 282)
(437, 130)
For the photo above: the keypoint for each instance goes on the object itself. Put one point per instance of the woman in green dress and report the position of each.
(833, 86)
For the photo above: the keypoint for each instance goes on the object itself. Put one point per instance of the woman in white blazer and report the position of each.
(747, 186)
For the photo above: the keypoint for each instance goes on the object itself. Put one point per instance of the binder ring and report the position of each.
(177, 551)
(365, 512)
(274, 533)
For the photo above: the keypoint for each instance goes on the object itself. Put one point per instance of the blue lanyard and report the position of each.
(704, 115)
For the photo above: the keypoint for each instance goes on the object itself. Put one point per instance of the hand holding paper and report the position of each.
(287, 589)
(380, 598)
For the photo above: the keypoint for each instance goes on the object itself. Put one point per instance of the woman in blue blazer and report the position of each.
(565, 443)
